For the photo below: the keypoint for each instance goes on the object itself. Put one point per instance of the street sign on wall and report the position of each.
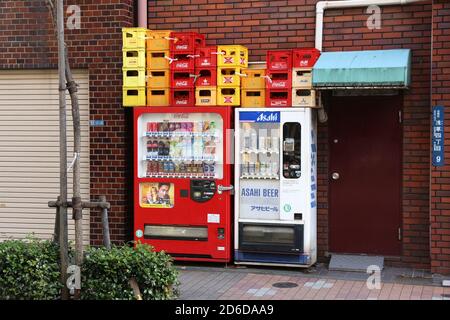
(437, 137)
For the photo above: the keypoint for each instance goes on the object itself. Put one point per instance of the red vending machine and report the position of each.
(182, 182)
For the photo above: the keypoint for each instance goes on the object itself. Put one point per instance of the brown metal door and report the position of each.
(365, 159)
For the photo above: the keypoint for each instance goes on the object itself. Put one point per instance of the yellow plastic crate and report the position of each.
(158, 40)
(158, 97)
(253, 98)
(253, 79)
(134, 77)
(134, 38)
(157, 60)
(228, 96)
(206, 96)
(158, 78)
(232, 56)
(301, 78)
(303, 98)
(133, 58)
(133, 97)
(228, 77)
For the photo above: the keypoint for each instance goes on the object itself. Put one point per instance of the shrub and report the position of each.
(29, 270)
(106, 273)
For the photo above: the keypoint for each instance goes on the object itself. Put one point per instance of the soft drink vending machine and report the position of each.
(182, 181)
(275, 181)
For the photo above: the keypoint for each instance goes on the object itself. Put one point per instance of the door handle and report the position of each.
(221, 189)
(335, 176)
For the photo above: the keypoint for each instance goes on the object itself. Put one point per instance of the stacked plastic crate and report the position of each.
(133, 49)
(158, 85)
(253, 86)
(303, 94)
(182, 67)
(206, 76)
(279, 76)
(230, 60)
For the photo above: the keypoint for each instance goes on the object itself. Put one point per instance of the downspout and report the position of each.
(142, 13)
(321, 6)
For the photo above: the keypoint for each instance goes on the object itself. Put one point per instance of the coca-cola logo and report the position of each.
(304, 63)
(181, 83)
(181, 101)
(280, 84)
(181, 65)
(181, 46)
(279, 103)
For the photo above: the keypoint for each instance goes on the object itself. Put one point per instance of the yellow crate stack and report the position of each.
(133, 68)
(158, 74)
(303, 94)
(230, 60)
(253, 87)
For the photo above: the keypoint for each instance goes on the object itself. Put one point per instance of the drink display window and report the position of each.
(180, 146)
(259, 150)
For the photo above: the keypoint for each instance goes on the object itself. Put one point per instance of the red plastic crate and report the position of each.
(279, 79)
(206, 77)
(278, 98)
(279, 60)
(182, 79)
(182, 62)
(182, 97)
(206, 57)
(305, 58)
(186, 42)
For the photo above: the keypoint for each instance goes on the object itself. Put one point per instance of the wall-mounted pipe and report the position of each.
(321, 6)
(142, 13)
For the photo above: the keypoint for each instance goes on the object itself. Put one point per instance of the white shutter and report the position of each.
(29, 152)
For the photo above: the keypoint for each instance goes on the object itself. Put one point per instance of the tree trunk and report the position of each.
(63, 237)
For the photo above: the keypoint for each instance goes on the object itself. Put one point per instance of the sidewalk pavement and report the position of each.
(255, 283)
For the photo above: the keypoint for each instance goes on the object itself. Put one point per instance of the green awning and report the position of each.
(363, 69)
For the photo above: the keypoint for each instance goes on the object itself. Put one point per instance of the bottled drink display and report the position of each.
(260, 154)
(181, 148)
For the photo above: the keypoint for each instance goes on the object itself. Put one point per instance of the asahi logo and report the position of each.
(264, 117)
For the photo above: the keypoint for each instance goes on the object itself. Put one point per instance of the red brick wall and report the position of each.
(27, 40)
(263, 25)
(440, 176)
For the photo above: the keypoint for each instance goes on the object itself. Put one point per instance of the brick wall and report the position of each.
(263, 25)
(27, 41)
(440, 176)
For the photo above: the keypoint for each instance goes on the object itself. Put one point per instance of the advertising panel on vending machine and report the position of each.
(275, 181)
(182, 181)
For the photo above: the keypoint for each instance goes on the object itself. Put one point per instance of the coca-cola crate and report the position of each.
(182, 62)
(186, 42)
(182, 97)
(278, 98)
(279, 60)
(206, 77)
(206, 57)
(305, 58)
(182, 79)
(279, 79)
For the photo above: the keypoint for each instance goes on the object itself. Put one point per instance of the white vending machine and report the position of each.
(276, 187)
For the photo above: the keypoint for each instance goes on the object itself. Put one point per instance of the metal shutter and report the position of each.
(29, 151)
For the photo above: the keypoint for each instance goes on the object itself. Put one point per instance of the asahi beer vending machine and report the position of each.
(275, 181)
(182, 182)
